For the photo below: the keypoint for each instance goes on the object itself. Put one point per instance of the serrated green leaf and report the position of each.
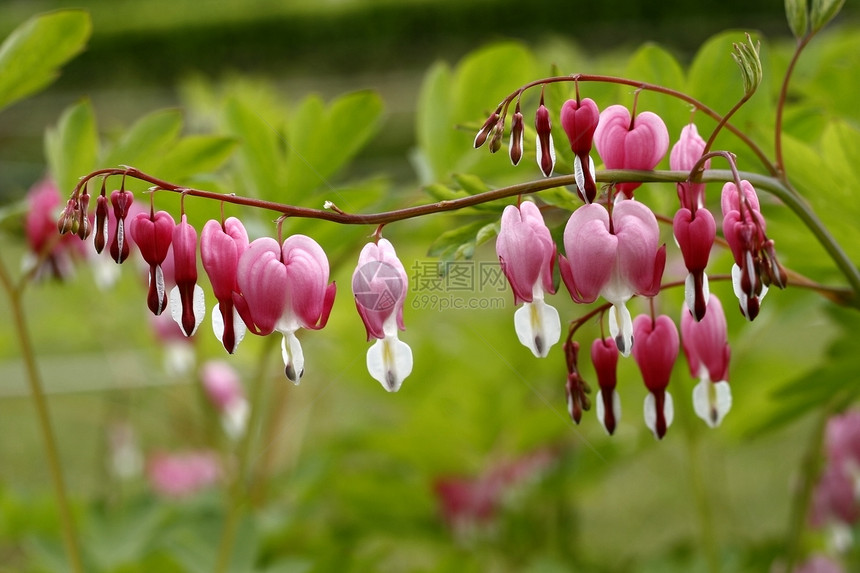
(797, 14)
(195, 154)
(72, 146)
(144, 142)
(31, 56)
(260, 159)
(823, 11)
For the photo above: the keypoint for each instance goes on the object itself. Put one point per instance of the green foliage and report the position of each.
(31, 56)
(72, 146)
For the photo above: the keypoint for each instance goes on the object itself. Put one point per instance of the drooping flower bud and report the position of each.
(625, 143)
(576, 389)
(545, 148)
(515, 148)
(379, 285)
(187, 306)
(102, 221)
(527, 255)
(604, 356)
(655, 352)
(488, 126)
(684, 155)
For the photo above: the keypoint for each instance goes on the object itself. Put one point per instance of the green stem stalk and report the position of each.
(238, 494)
(68, 530)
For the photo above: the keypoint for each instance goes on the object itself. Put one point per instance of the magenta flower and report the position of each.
(706, 346)
(284, 288)
(655, 352)
(153, 233)
(579, 120)
(684, 155)
(527, 255)
(119, 246)
(224, 390)
(604, 355)
(695, 232)
(221, 246)
(744, 227)
(379, 285)
(615, 261)
(625, 143)
(545, 148)
(187, 306)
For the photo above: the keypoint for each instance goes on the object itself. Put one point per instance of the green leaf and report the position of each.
(320, 140)
(145, 141)
(261, 161)
(459, 241)
(196, 154)
(72, 146)
(31, 56)
(655, 65)
(823, 11)
(797, 14)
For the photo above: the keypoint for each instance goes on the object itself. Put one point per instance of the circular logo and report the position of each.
(377, 286)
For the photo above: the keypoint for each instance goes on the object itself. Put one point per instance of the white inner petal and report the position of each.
(538, 326)
(650, 412)
(621, 328)
(601, 410)
(389, 361)
(712, 401)
(294, 358)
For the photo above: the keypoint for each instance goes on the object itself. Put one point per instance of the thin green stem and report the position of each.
(780, 106)
(238, 494)
(69, 532)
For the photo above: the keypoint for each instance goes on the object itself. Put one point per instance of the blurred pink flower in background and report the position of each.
(180, 475)
(224, 390)
(54, 254)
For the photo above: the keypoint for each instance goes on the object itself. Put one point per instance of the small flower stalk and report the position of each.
(706, 347)
(379, 285)
(527, 256)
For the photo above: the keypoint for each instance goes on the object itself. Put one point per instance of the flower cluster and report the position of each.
(261, 286)
(613, 251)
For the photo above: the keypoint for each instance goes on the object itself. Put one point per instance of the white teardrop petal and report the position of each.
(389, 362)
(621, 328)
(538, 326)
(712, 401)
(294, 358)
(650, 412)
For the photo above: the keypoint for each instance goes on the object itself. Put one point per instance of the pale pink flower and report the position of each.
(625, 143)
(181, 475)
(706, 346)
(379, 285)
(284, 288)
(615, 261)
(686, 152)
(527, 255)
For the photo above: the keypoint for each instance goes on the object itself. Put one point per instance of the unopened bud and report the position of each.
(83, 216)
(516, 146)
(746, 55)
(545, 149)
(102, 218)
(496, 135)
(488, 126)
